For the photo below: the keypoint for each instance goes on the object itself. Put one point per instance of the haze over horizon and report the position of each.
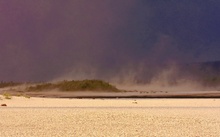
(48, 39)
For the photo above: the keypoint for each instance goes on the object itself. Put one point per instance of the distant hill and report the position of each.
(75, 85)
(208, 73)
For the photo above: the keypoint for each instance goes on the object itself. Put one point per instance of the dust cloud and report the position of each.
(122, 42)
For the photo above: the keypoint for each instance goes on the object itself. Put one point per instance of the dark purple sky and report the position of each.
(44, 39)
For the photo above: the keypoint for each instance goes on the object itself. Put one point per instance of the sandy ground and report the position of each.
(109, 117)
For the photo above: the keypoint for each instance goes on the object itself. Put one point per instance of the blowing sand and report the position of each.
(109, 117)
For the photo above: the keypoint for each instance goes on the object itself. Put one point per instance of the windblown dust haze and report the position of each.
(123, 40)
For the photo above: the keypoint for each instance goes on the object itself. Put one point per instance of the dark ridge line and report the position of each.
(142, 97)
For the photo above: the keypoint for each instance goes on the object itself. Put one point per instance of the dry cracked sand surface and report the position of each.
(40, 117)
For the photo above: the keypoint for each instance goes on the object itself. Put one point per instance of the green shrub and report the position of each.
(26, 96)
(7, 96)
(22, 95)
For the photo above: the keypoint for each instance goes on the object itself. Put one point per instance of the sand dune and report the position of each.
(109, 117)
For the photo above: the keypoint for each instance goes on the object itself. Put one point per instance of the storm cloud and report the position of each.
(46, 40)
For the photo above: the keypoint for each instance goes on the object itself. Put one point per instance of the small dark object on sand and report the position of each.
(3, 105)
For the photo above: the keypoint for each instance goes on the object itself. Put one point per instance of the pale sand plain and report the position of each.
(52, 117)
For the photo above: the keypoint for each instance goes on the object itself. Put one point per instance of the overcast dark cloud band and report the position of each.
(42, 40)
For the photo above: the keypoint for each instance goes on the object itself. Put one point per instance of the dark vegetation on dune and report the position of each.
(83, 85)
